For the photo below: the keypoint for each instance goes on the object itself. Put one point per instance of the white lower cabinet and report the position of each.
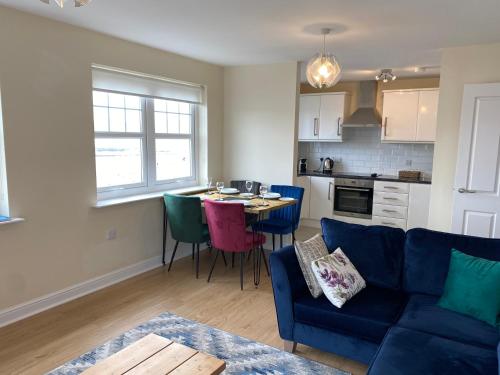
(305, 182)
(418, 207)
(389, 222)
(321, 200)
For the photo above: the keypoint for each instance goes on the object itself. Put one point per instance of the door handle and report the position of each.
(338, 126)
(352, 189)
(329, 191)
(385, 127)
(464, 190)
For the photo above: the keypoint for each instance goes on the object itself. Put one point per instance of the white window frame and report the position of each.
(148, 135)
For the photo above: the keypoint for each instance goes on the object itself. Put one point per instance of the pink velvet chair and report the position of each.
(226, 224)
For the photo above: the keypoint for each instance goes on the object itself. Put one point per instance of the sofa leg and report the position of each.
(289, 346)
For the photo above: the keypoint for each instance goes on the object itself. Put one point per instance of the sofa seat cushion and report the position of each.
(368, 315)
(410, 352)
(423, 314)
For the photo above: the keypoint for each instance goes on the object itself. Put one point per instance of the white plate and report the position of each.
(229, 191)
(271, 196)
(240, 201)
(247, 194)
(287, 199)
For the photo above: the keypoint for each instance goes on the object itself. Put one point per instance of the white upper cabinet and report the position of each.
(321, 116)
(410, 115)
(427, 115)
(309, 117)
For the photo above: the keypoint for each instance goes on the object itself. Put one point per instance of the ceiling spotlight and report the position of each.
(60, 3)
(385, 76)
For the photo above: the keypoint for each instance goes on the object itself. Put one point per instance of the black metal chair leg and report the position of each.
(273, 242)
(173, 255)
(197, 260)
(224, 258)
(213, 266)
(265, 260)
(242, 257)
(232, 260)
(164, 232)
(281, 241)
(293, 237)
(192, 252)
(249, 254)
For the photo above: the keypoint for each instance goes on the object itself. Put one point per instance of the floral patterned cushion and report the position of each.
(306, 252)
(338, 278)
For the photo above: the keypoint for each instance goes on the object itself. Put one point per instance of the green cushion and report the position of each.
(473, 287)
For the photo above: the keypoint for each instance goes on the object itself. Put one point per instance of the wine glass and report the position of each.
(263, 192)
(219, 185)
(209, 185)
(249, 186)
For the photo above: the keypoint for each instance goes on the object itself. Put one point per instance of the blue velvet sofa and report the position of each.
(393, 324)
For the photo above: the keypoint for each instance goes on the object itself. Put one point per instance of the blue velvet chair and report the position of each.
(286, 220)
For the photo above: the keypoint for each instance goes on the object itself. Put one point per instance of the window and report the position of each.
(142, 144)
(4, 198)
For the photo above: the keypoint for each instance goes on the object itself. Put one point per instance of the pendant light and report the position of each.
(60, 3)
(323, 70)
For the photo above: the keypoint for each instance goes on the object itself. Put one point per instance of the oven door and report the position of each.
(353, 202)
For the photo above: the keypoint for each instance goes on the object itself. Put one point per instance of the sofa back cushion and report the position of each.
(376, 251)
(427, 257)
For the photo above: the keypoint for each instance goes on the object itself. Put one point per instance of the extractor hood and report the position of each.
(365, 116)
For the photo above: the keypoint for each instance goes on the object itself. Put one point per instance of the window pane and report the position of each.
(160, 105)
(172, 106)
(160, 122)
(185, 124)
(173, 123)
(132, 102)
(133, 121)
(185, 108)
(100, 119)
(118, 161)
(173, 159)
(116, 120)
(100, 98)
(116, 100)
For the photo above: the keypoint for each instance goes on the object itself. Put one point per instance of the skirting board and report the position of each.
(13, 314)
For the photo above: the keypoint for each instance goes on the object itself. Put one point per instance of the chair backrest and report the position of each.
(226, 224)
(184, 217)
(290, 213)
(240, 185)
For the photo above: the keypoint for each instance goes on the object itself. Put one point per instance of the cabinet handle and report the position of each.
(390, 211)
(391, 187)
(329, 191)
(387, 223)
(316, 127)
(390, 199)
(338, 126)
(385, 127)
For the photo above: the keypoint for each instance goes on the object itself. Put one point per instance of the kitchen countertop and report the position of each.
(423, 180)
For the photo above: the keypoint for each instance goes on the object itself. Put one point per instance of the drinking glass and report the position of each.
(209, 185)
(249, 186)
(263, 191)
(219, 185)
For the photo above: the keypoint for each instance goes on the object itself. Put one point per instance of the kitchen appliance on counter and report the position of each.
(302, 165)
(353, 198)
(327, 165)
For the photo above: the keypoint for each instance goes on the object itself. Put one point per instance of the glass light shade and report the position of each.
(323, 71)
(60, 3)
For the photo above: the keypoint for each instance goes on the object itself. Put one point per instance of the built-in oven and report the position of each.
(353, 198)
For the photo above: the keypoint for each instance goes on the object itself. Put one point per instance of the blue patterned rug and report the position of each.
(242, 356)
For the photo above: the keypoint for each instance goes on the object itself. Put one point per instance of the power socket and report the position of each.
(409, 162)
(111, 234)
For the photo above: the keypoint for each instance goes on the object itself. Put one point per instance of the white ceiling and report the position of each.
(371, 34)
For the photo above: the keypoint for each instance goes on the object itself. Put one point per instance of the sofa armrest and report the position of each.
(288, 284)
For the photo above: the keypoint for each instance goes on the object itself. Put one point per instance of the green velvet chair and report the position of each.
(185, 219)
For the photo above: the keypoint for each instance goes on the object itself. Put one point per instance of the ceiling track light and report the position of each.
(323, 70)
(60, 3)
(385, 75)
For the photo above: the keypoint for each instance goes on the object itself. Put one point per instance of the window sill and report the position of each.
(144, 197)
(12, 220)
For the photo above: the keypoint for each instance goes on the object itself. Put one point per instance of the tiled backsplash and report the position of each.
(362, 152)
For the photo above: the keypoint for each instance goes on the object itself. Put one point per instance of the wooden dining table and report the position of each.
(256, 206)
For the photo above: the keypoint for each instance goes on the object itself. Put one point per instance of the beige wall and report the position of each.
(260, 104)
(474, 64)
(45, 81)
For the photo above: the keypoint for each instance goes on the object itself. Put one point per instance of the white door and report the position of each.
(309, 117)
(321, 198)
(476, 196)
(305, 182)
(400, 116)
(427, 115)
(331, 117)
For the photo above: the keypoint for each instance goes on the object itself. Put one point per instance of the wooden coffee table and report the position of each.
(153, 355)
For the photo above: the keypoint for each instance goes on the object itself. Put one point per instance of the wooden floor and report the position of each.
(49, 339)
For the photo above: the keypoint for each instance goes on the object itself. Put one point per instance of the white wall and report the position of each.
(473, 64)
(45, 79)
(260, 111)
